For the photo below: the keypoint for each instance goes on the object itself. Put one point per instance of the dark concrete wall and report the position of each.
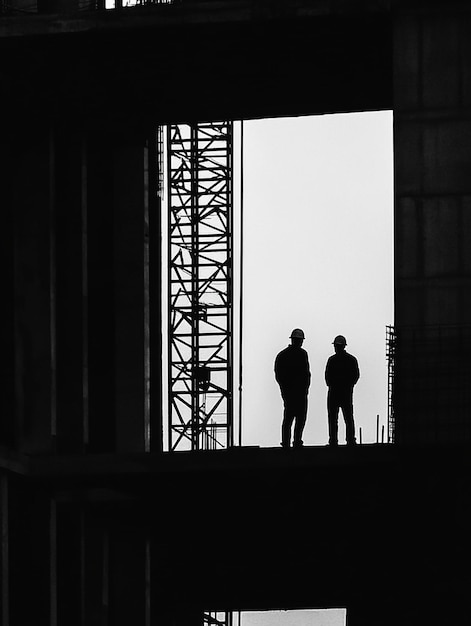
(432, 96)
(33, 206)
(432, 146)
(75, 272)
(137, 69)
(379, 530)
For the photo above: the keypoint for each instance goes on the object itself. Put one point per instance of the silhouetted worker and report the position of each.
(341, 375)
(293, 375)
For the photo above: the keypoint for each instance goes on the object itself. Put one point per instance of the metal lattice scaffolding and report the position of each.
(200, 293)
(391, 357)
(218, 618)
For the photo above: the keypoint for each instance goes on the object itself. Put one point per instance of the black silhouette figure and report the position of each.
(341, 375)
(293, 375)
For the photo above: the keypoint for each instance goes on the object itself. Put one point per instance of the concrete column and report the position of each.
(118, 292)
(432, 91)
(95, 572)
(69, 564)
(53, 562)
(432, 148)
(8, 427)
(34, 205)
(154, 221)
(5, 551)
(101, 293)
(130, 237)
(127, 576)
(30, 533)
(71, 276)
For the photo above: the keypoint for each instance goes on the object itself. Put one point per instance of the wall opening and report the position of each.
(304, 617)
(318, 254)
(316, 195)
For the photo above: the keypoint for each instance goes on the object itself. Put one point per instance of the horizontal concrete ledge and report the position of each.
(186, 13)
(243, 459)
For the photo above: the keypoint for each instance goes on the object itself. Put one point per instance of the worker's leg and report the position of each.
(333, 417)
(347, 410)
(300, 421)
(288, 417)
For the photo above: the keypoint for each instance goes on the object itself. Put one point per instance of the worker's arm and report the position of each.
(356, 371)
(308, 370)
(278, 370)
(327, 373)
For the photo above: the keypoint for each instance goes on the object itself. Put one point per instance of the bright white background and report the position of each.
(331, 617)
(318, 254)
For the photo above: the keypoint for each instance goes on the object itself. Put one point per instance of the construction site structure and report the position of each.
(101, 523)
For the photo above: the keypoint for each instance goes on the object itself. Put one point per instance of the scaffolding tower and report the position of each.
(200, 292)
(219, 618)
(391, 357)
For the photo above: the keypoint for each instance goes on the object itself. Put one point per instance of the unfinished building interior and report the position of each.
(103, 522)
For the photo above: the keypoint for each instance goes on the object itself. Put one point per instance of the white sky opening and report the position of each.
(318, 254)
(308, 617)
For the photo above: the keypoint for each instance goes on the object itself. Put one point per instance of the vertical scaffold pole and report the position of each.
(391, 358)
(200, 285)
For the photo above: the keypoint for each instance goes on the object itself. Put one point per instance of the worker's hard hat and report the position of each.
(298, 333)
(340, 341)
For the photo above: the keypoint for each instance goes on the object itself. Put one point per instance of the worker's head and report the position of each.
(339, 343)
(297, 337)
